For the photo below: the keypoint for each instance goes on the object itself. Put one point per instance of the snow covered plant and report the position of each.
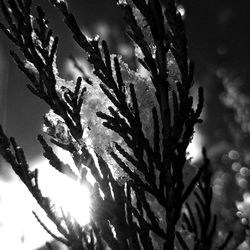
(127, 131)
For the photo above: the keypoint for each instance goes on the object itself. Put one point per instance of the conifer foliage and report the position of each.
(130, 132)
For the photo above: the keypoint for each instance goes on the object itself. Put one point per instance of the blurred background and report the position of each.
(219, 44)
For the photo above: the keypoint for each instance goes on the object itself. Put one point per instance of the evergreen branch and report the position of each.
(73, 26)
(49, 246)
(119, 76)
(107, 57)
(157, 150)
(156, 22)
(87, 159)
(181, 241)
(136, 34)
(55, 161)
(45, 204)
(146, 239)
(200, 199)
(139, 164)
(108, 93)
(7, 15)
(80, 69)
(116, 120)
(150, 214)
(20, 167)
(115, 210)
(212, 231)
(60, 239)
(204, 227)
(190, 80)
(107, 176)
(201, 216)
(135, 177)
(192, 185)
(144, 225)
(135, 107)
(68, 147)
(176, 110)
(8, 34)
(34, 46)
(103, 72)
(100, 215)
(133, 240)
(191, 219)
(118, 129)
(77, 89)
(177, 36)
(200, 104)
(226, 241)
(130, 158)
(36, 88)
(73, 228)
(99, 240)
(187, 223)
(53, 50)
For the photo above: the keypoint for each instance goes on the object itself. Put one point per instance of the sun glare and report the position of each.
(18, 227)
(195, 147)
(69, 196)
(66, 194)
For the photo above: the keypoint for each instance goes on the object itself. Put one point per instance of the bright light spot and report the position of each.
(233, 155)
(18, 227)
(195, 148)
(143, 72)
(244, 206)
(66, 194)
(125, 50)
(181, 10)
(65, 157)
(70, 69)
(103, 29)
(236, 166)
(243, 246)
(244, 171)
(121, 2)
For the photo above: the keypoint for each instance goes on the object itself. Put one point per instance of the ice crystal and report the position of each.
(56, 127)
(96, 136)
(146, 32)
(181, 10)
(37, 42)
(60, 1)
(31, 67)
(243, 206)
(145, 93)
(174, 74)
(122, 2)
(63, 86)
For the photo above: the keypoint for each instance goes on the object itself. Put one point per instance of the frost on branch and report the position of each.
(96, 135)
(55, 127)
